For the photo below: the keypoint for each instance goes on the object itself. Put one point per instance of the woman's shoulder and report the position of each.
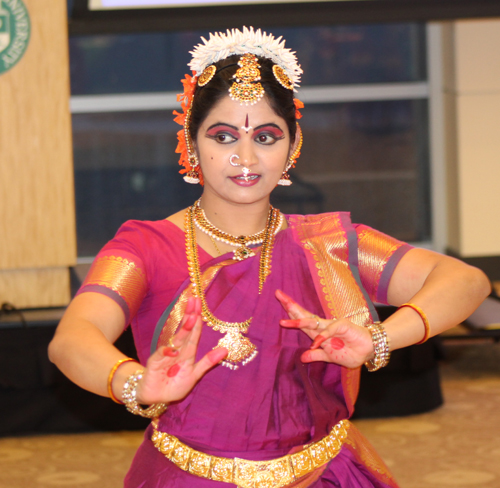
(141, 236)
(149, 228)
(327, 218)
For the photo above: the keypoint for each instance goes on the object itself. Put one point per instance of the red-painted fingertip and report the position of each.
(292, 323)
(215, 355)
(318, 340)
(306, 357)
(170, 352)
(190, 305)
(284, 298)
(190, 322)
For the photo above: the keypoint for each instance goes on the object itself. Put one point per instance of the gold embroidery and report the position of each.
(324, 237)
(326, 240)
(367, 455)
(374, 251)
(120, 275)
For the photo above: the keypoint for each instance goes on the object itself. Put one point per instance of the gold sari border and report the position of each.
(121, 275)
(330, 244)
(364, 452)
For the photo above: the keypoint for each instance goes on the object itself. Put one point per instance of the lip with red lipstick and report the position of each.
(246, 178)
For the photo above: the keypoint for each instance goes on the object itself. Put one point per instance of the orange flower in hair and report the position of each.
(298, 105)
(186, 99)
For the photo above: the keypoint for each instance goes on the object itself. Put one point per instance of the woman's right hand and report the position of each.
(171, 372)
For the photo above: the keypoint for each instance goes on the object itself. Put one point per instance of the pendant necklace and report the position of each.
(240, 348)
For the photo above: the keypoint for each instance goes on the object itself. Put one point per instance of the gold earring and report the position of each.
(192, 176)
(292, 160)
(285, 179)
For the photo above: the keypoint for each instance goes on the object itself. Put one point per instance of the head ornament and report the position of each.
(221, 46)
(246, 88)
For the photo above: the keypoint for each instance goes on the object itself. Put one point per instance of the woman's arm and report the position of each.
(446, 289)
(82, 348)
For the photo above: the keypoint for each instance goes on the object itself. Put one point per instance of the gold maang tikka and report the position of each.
(247, 88)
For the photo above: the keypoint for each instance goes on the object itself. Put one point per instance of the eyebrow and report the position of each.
(222, 124)
(271, 124)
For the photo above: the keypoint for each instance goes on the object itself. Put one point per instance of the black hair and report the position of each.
(205, 97)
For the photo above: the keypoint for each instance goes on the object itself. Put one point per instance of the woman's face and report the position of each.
(261, 142)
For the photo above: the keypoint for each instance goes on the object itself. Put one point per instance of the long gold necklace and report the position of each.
(240, 348)
(242, 242)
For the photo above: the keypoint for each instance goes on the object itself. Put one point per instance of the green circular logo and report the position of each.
(14, 32)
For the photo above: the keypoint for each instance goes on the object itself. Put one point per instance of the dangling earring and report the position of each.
(285, 178)
(292, 160)
(192, 176)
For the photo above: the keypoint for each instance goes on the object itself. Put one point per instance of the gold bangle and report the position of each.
(424, 318)
(380, 346)
(129, 398)
(112, 375)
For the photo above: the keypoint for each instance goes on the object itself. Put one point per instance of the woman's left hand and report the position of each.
(334, 341)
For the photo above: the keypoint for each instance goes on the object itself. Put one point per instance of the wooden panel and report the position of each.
(32, 288)
(479, 174)
(37, 216)
(472, 101)
(477, 56)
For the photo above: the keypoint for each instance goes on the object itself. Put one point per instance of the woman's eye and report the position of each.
(266, 139)
(224, 138)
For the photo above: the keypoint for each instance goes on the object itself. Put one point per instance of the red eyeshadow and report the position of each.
(222, 128)
(269, 129)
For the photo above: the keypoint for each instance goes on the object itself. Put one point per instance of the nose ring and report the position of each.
(231, 162)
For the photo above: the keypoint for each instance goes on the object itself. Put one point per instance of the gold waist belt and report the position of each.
(274, 473)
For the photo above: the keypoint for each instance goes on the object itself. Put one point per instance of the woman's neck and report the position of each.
(236, 219)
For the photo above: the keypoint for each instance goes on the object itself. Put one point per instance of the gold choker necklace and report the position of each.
(240, 348)
(242, 242)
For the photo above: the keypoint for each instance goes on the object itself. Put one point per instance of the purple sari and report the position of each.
(274, 403)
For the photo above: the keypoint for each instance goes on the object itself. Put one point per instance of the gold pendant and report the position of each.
(240, 349)
(242, 253)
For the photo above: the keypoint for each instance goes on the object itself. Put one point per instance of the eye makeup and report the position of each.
(270, 129)
(217, 129)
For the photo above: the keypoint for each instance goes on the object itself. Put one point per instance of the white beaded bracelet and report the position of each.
(380, 345)
(129, 395)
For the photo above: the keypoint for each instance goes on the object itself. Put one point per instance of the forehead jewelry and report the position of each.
(231, 162)
(247, 88)
(246, 127)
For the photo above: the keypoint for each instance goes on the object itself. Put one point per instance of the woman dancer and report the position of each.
(251, 326)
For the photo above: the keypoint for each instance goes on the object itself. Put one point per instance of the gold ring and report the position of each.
(172, 345)
(317, 320)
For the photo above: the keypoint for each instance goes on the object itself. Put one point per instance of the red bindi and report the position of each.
(246, 127)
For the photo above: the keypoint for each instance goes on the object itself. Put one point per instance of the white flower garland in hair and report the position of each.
(221, 46)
